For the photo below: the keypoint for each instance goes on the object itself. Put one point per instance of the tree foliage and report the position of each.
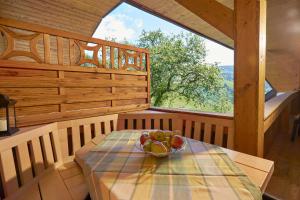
(178, 70)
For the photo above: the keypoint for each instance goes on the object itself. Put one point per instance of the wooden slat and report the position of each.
(104, 56)
(113, 90)
(57, 146)
(121, 124)
(60, 55)
(87, 133)
(130, 123)
(148, 123)
(230, 141)
(77, 187)
(75, 138)
(157, 123)
(139, 124)
(219, 135)
(197, 130)
(72, 52)
(112, 57)
(119, 58)
(37, 156)
(73, 68)
(148, 78)
(98, 130)
(107, 126)
(188, 127)
(47, 49)
(63, 138)
(8, 173)
(24, 163)
(166, 124)
(53, 187)
(207, 132)
(48, 151)
(177, 125)
(55, 82)
(70, 99)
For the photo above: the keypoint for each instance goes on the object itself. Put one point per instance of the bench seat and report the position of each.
(66, 182)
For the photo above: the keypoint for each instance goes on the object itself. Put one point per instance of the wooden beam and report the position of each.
(213, 12)
(249, 75)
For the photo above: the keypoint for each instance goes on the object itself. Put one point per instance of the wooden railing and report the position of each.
(210, 128)
(279, 116)
(50, 46)
(56, 75)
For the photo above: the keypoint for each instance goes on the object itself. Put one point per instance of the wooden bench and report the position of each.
(38, 162)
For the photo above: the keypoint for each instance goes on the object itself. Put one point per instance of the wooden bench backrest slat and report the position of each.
(8, 172)
(37, 156)
(24, 163)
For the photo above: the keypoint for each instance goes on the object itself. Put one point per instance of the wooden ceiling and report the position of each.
(174, 12)
(283, 26)
(69, 15)
(283, 44)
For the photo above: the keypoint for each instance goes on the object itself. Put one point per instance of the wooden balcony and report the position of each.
(72, 90)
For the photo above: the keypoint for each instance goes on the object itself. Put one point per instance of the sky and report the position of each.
(127, 22)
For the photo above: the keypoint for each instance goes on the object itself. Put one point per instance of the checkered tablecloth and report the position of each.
(117, 169)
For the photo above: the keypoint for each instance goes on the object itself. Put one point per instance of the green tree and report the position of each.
(178, 70)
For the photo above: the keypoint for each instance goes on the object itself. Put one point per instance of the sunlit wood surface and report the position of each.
(285, 182)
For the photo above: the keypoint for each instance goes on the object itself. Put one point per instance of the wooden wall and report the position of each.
(69, 15)
(49, 74)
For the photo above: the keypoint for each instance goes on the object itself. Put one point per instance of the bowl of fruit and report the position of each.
(160, 143)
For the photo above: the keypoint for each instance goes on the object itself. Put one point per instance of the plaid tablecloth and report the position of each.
(116, 169)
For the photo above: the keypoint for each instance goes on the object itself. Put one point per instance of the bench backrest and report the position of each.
(33, 151)
(76, 133)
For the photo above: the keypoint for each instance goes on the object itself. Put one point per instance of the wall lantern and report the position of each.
(8, 124)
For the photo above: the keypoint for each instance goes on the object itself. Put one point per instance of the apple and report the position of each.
(157, 135)
(147, 145)
(158, 147)
(177, 142)
(144, 137)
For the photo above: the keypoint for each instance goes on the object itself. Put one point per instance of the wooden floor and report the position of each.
(285, 182)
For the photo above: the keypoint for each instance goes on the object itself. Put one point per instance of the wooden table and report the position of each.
(257, 169)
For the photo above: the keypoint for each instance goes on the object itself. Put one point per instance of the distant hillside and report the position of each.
(227, 72)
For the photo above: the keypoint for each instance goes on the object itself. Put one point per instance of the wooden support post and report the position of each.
(148, 78)
(249, 75)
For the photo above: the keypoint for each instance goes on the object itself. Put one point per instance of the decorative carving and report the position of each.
(11, 52)
(135, 64)
(83, 58)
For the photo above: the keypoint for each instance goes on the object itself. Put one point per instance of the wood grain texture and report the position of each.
(249, 70)
(213, 12)
(68, 15)
(189, 125)
(51, 86)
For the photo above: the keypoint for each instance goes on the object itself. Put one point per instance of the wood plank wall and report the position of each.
(49, 74)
